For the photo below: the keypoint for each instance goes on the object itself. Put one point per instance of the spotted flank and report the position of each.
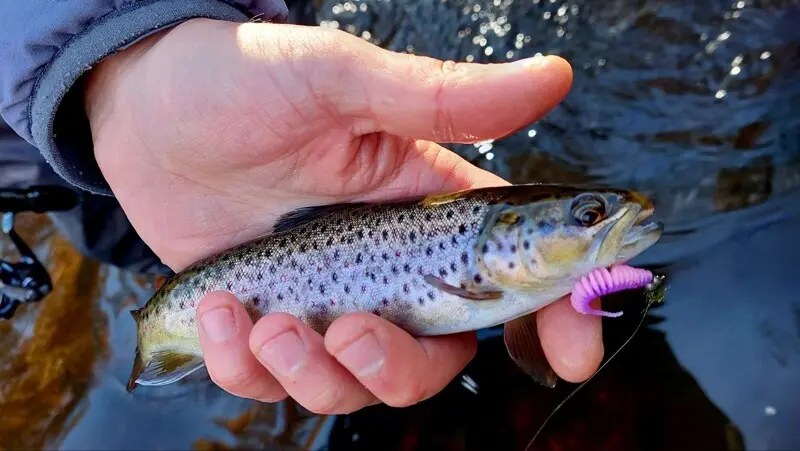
(434, 265)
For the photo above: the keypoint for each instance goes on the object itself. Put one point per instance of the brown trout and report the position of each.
(435, 265)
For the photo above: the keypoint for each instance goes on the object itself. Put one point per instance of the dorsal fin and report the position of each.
(304, 215)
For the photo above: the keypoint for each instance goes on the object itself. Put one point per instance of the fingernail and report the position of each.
(363, 357)
(284, 354)
(218, 324)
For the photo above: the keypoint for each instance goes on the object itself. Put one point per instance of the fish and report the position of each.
(433, 265)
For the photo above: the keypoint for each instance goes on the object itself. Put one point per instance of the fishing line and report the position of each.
(651, 299)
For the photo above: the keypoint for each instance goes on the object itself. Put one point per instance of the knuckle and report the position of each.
(443, 119)
(239, 383)
(326, 401)
(409, 395)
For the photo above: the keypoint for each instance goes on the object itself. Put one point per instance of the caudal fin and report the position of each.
(161, 367)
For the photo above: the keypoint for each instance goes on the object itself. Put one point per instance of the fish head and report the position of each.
(554, 240)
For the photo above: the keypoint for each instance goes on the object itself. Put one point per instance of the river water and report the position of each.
(696, 103)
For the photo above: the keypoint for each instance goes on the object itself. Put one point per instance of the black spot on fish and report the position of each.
(237, 275)
(231, 264)
(385, 301)
(454, 240)
(462, 229)
(291, 290)
(449, 214)
(280, 297)
(256, 301)
(272, 269)
(203, 287)
(478, 279)
(529, 231)
(442, 272)
(400, 218)
(499, 246)
(407, 268)
(463, 286)
(321, 289)
(347, 289)
(428, 251)
(303, 247)
(372, 276)
(230, 286)
(464, 258)
(293, 263)
(395, 270)
(476, 210)
(485, 248)
(385, 235)
(431, 295)
(284, 242)
(385, 280)
(359, 258)
(376, 312)
(441, 245)
(360, 234)
(412, 236)
(421, 301)
(310, 282)
(385, 256)
(329, 242)
(526, 244)
(335, 277)
(453, 267)
(513, 248)
(406, 289)
(182, 305)
(267, 253)
(363, 288)
(280, 259)
(350, 240)
(511, 265)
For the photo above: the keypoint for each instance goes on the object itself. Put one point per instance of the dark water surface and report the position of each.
(694, 102)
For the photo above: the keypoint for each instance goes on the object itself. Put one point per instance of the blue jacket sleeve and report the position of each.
(47, 45)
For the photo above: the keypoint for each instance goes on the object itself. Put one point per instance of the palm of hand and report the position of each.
(209, 132)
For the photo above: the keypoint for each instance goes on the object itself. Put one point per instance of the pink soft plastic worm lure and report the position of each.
(601, 281)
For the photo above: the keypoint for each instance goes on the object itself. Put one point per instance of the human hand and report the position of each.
(208, 132)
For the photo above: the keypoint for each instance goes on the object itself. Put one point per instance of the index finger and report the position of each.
(397, 368)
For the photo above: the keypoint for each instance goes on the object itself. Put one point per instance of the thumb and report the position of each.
(424, 98)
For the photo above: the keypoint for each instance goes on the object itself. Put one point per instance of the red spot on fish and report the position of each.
(397, 254)
(193, 304)
(346, 264)
(319, 268)
(283, 278)
(333, 302)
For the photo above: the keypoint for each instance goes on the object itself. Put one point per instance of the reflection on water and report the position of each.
(692, 102)
(49, 354)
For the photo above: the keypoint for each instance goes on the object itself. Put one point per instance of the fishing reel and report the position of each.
(27, 280)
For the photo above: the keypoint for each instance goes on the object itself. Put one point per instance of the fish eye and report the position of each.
(588, 209)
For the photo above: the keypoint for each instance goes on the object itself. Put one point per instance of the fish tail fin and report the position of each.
(161, 367)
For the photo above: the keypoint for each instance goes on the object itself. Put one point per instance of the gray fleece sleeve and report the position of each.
(47, 45)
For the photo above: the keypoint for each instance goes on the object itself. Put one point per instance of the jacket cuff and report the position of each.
(57, 119)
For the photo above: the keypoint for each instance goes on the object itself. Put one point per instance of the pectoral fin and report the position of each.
(522, 343)
(461, 292)
(163, 368)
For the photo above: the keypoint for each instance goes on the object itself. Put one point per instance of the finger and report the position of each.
(295, 355)
(572, 342)
(398, 369)
(224, 328)
(425, 98)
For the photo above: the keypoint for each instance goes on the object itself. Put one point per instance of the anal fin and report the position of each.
(525, 349)
(163, 368)
(461, 292)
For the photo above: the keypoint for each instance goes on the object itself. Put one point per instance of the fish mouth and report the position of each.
(644, 233)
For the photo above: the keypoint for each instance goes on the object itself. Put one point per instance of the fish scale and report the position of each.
(320, 272)
(435, 265)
